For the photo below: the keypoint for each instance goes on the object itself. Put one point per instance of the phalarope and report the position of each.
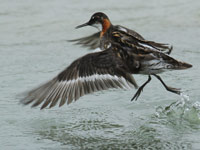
(111, 68)
(117, 33)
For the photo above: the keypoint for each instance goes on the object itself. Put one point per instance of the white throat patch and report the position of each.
(98, 26)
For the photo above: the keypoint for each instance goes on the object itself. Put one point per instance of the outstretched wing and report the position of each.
(91, 42)
(90, 73)
(135, 38)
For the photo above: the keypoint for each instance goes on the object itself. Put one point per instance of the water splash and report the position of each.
(181, 110)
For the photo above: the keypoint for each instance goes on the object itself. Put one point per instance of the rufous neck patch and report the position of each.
(106, 25)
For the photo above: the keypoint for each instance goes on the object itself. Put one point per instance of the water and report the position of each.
(33, 49)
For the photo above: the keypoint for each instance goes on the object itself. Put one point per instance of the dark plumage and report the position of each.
(124, 34)
(111, 68)
(122, 56)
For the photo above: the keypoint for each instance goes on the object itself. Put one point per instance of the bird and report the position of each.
(109, 32)
(129, 39)
(97, 71)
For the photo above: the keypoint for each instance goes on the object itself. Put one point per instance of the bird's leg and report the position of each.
(137, 94)
(171, 89)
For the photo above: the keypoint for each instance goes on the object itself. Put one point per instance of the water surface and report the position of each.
(33, 49)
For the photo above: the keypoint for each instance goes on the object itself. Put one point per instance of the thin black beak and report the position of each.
(82, 25)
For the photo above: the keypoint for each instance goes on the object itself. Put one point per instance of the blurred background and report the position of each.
(34, 49)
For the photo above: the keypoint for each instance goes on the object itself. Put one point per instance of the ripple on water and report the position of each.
(145, 137)
(160, 131)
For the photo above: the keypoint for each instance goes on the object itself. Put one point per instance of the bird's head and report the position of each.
(98, 20)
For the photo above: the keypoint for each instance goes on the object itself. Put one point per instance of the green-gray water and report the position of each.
(33, 49)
